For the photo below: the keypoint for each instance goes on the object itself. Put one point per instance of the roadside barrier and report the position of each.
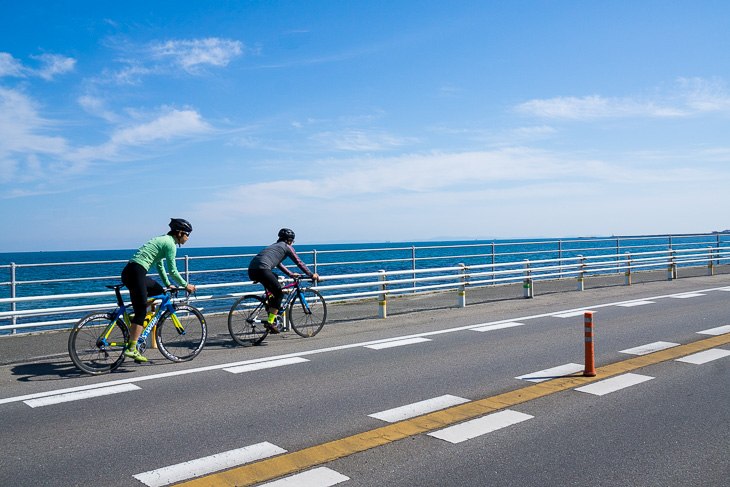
(25, 311)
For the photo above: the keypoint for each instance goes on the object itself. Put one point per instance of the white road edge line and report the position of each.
(206, 465)
(398, 343)
(498, 326)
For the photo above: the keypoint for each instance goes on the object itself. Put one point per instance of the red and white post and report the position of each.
(590, 368)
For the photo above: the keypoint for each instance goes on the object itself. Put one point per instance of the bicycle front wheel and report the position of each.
(181, 335)
(96, 343)
(307, 313)
(246, 321)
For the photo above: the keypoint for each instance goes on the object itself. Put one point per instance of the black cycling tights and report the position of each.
(271, 283)
(134, 276)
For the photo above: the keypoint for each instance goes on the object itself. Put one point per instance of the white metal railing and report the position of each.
(384, 282)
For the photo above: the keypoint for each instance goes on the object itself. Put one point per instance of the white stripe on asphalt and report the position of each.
(704, 357)
(547, 374)
(480, 426)
(203, 466)
(318, 477)
(649, 348)
(418, 408)
(720, 330)
(686, 295)
(614, 384)
(498, 326)
(266, 365)
(635, 303)
(398, 343)
(75, 396)
(573, 314)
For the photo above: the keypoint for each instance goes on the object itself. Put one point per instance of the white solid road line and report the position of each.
(318, 477)
(206, 465)
(635, 303)
(573, 314)
(480, 426)
(614, 384)
(649, 348)
(76, 396)
(686, 295)
(418, 408)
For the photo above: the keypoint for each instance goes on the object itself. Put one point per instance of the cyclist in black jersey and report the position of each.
(261, 270)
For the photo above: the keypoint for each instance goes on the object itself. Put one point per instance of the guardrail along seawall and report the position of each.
(36, 296)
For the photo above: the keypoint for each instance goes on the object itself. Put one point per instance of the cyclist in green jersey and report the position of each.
(134, 276)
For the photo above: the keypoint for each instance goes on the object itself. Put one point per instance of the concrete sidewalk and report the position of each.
(41, 346)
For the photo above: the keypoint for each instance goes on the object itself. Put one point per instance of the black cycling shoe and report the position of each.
(272, 328)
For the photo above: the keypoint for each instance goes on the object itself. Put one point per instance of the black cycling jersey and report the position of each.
(272, 257)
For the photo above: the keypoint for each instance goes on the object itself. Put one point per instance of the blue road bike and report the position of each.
(97, 342)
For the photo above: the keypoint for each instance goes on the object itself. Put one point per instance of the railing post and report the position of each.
(671, 267)
(581, 273)
(187, 269)
(314, 261)
(629, 263)
(413, 266)
(13, 306)
(383, 312)
(560, 258)
(492, 263)
(462, 286)
(527, 285)
(710, 269)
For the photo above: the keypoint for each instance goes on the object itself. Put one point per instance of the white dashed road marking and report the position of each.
(318, 477)
(614, 384)
(203, 466)
(75, 396)
(547, 374)
(649, 348)
(704, 357)
(398, 343)
(720, 330)
(418, 408)
(480, 426)
(266, 365)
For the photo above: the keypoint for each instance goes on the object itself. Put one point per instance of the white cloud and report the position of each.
(360, 140)
(9, 66)
(191, 54)
(54, 64)
(51, 65)
(690, 97)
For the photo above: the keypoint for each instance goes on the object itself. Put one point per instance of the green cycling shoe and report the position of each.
(134, 354)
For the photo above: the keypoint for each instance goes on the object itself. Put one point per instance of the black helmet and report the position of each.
(180, 225)
(286, 234)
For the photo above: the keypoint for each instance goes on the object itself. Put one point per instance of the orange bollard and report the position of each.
(590, 370)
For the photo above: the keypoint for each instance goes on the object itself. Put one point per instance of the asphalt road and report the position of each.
(319, 410)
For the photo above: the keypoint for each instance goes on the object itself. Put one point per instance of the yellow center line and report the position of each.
(292, 462)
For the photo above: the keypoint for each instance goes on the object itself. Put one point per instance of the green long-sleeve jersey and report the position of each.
(152, 253)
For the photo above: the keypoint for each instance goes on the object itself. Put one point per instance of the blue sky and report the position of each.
(361, 121)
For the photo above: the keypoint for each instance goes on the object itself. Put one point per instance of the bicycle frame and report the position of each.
(121, 312)
(291, 294)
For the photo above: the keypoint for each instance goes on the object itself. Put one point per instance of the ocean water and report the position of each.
(73, 272)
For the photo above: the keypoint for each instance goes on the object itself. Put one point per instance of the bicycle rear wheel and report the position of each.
(96, 343)
(184, 340)
(307, 313)
(245, 321)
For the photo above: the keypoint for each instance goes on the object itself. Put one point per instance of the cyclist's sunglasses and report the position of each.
(187, 234)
